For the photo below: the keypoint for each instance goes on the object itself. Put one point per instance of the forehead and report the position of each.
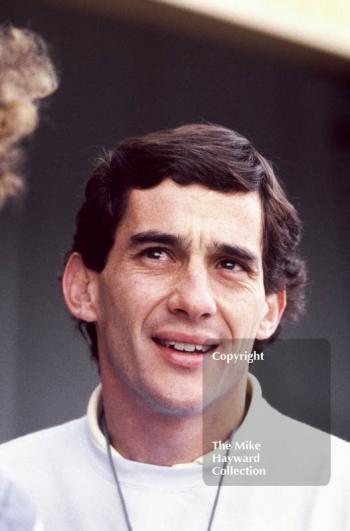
(195, 212)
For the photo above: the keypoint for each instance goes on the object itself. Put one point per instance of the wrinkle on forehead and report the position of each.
(197, 214)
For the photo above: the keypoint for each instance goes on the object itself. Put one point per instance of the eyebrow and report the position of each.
(153, 236)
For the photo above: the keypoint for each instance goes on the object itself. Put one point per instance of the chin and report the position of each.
(177, 406)
(179, 410)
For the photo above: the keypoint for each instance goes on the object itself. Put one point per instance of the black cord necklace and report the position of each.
(120, 492)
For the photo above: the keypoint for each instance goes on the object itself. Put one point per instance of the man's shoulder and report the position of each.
(297, 430)
(304, 453)
(17, 511)
(46, 443)
(60, 431)
(45, 464)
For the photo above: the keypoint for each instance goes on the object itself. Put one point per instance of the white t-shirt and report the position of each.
(66, 472)
(17, 512)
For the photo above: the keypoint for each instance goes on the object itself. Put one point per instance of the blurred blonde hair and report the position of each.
(26, 75)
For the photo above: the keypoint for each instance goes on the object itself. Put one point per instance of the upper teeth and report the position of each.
(187, 347)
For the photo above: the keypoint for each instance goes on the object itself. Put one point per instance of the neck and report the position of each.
(142, 433)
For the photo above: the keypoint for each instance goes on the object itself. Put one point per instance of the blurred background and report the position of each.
(279, 75)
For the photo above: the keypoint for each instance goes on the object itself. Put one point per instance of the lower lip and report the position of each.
(182, 359)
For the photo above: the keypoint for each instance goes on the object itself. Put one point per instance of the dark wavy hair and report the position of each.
(206, 154)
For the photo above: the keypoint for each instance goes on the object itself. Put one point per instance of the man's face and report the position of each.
(185, 271)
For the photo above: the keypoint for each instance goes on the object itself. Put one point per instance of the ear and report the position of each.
(275, 305)
(79, 289)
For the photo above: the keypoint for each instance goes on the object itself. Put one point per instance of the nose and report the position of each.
(192, 297)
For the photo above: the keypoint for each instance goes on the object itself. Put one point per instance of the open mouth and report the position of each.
(187, 348)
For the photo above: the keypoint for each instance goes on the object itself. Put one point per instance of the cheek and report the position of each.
(112, 307)
(128, 302)
(244, 309)
(143, 294)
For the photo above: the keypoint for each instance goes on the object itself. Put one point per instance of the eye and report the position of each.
(231, 265)
(154, 253)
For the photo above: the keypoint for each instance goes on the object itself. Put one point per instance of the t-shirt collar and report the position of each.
(95, 410)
